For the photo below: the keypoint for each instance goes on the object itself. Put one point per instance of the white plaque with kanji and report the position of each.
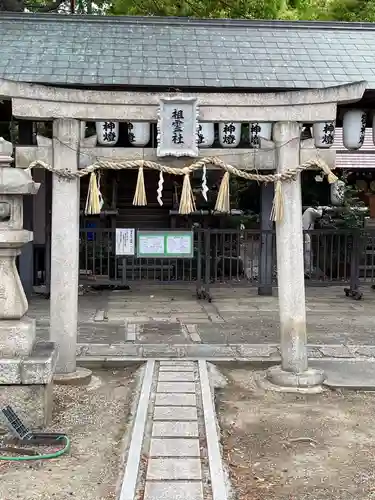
(178, 127)
(125, 241)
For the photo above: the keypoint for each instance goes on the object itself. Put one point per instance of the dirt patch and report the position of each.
(96, 418)
(296, 447)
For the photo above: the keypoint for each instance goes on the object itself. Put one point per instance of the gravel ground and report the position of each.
(296, 447)
(96, 418)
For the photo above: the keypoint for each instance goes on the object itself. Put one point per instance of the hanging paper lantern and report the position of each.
(139, 133)
(337, 192)
(259, 131)
(107, 133)
(205, 134)
(229, 134)
(324, 134)
(354, 128)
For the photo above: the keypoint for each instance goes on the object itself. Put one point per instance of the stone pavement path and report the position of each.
(170, 322)
(174, 451)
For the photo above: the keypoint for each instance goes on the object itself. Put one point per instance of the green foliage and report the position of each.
(339, 10)
(313, 10)
(352, 214)
(266, 9)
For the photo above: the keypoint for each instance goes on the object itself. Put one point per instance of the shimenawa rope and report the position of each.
(187, 203)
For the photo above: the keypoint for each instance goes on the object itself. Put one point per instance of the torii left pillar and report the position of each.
(65, 251)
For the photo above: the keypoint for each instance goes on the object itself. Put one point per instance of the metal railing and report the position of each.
(233, 256)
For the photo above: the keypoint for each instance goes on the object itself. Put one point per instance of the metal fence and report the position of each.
(232, 256)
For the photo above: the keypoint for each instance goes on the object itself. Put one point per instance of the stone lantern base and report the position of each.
(26, 381)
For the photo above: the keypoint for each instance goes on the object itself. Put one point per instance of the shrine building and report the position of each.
(223, 101)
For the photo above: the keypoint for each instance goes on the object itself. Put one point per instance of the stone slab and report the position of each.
(129, 350)
(341, 351)
(99, 315)
(175, 413)
(17, 337)
(32, 403)
(174, 469)
(171, 368)
(131, 331)
(174, 447)
(179, 364)
(174, 399)
(179, 376)
(180, 490)
(175, 429)
(347, 373)
(186, 387)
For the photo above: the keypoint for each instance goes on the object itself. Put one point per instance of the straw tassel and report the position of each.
(140, 191)
(94, 199)
(187, 203)
(331, 177)
(223, 197)
(277, 211)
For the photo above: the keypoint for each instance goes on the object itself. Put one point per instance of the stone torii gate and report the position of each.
(288, 110)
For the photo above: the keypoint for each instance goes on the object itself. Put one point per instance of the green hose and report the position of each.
(48, 456)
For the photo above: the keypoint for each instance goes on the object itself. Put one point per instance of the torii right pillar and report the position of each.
(294, 370)
(294, 373)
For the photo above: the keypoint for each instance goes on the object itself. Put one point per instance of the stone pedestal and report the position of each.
(290, 269)
(26, 384)
(26, 367)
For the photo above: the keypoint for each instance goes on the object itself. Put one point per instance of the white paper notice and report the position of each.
(125, 241)
(151, 245)
(179, 244)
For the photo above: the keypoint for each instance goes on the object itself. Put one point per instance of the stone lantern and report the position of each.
(26, 366)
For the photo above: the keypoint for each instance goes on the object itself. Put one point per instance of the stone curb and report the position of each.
(219, 490)
(129, 483)
(227, 352)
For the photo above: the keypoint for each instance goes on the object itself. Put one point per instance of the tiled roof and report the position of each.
(94, 50)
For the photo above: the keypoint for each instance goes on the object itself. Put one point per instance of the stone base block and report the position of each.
(26, 385)
(32, 403)
(82, 376)
(38, 368)
(309, 378)
(16, 337)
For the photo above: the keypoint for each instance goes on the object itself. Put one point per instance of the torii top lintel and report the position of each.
(40, 102)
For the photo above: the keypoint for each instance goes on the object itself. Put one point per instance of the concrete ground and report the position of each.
(306, 447)
(157, 318)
